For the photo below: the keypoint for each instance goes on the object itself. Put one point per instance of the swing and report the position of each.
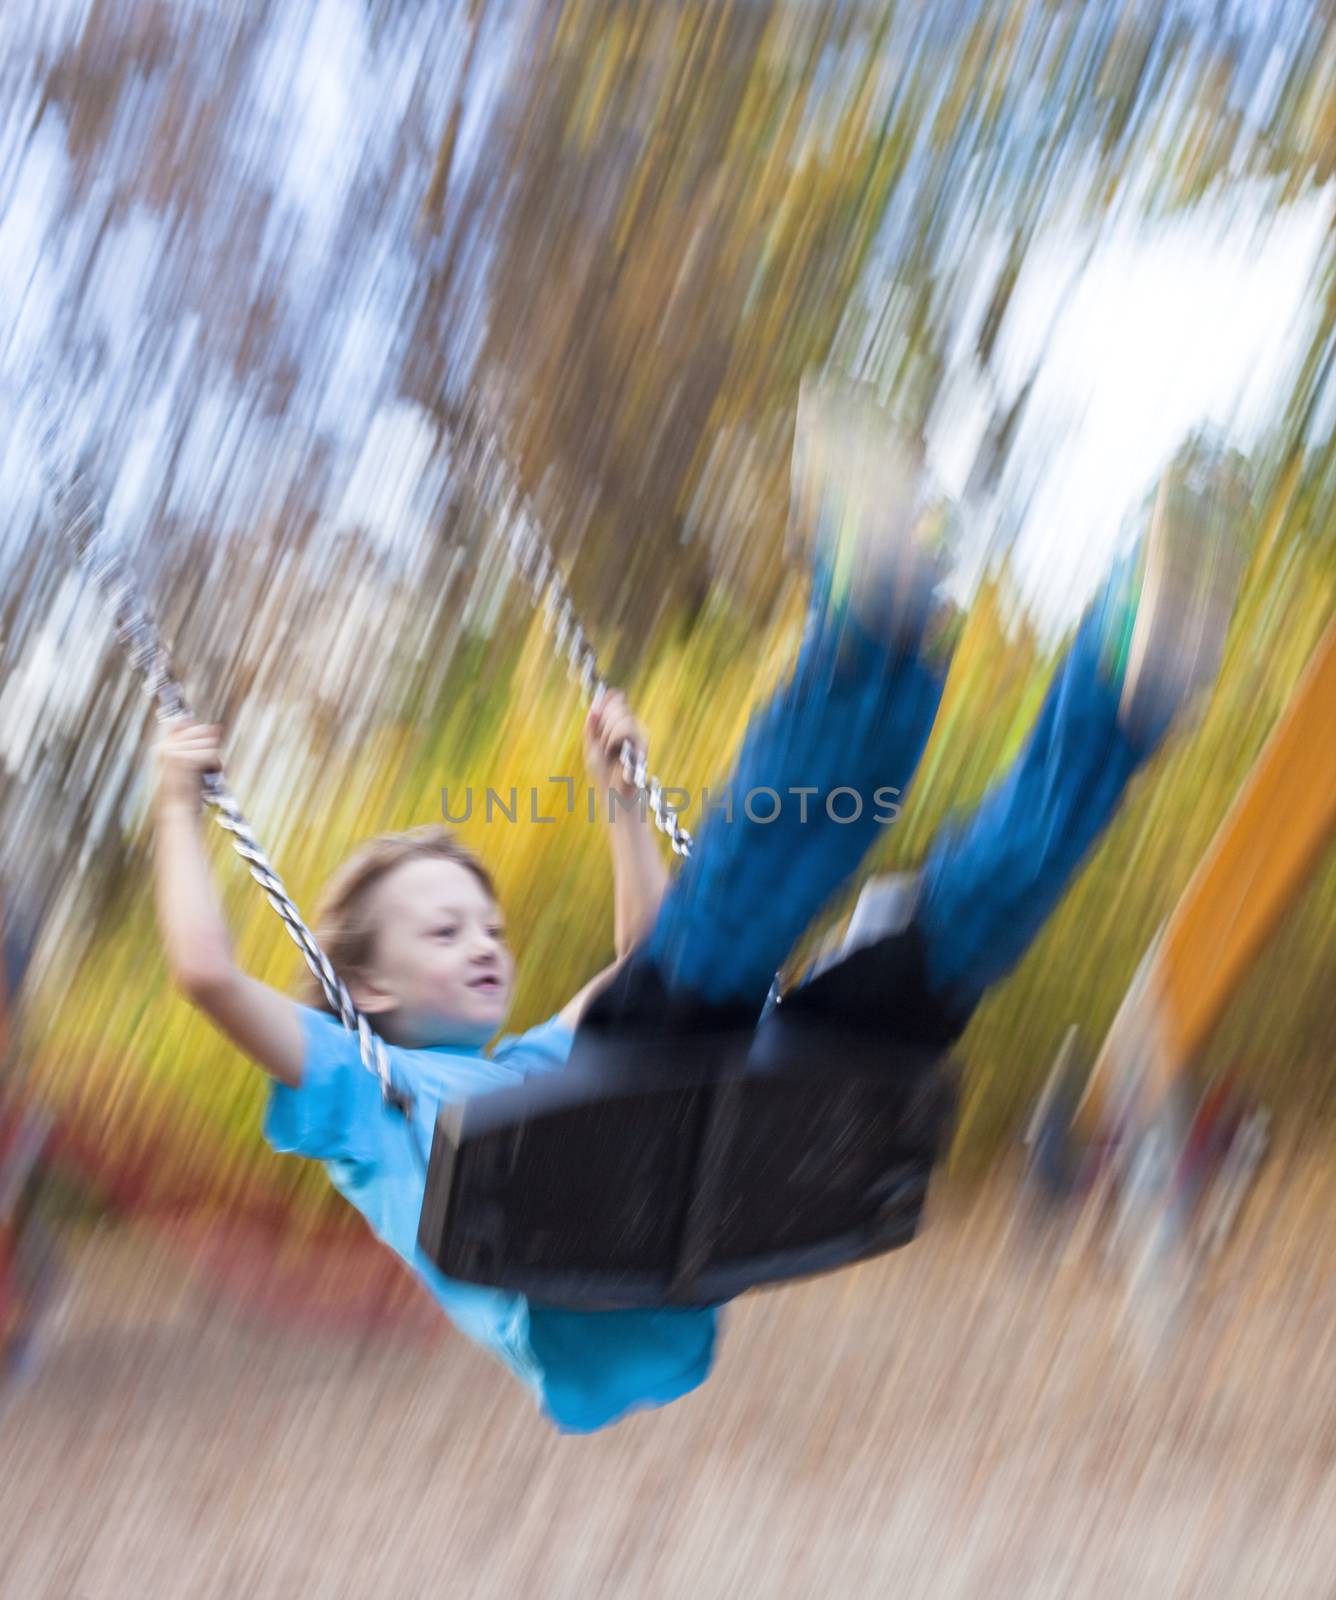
(685, 1153)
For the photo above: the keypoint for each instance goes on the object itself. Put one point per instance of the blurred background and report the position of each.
(273, 262)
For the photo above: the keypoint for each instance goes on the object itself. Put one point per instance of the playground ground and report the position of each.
(967, 1418)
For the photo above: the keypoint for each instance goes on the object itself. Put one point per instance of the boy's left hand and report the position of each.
(610, 724)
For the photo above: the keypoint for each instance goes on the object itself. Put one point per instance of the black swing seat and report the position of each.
(687, 1153)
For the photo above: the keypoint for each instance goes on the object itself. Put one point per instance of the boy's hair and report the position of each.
(343, 925)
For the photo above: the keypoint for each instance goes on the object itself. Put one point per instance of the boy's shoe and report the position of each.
(1167, 630)
(860, 503)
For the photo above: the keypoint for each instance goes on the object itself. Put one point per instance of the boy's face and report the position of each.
(441, 965)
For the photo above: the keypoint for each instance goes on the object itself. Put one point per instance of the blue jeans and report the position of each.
(991, 880)
(855, 716)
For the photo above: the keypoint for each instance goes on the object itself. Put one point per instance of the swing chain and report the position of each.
(530, 554)
(81, 520)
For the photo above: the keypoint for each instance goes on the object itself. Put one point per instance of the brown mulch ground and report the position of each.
(967, 1418)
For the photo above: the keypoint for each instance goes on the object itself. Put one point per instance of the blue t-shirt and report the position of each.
(587, 1368)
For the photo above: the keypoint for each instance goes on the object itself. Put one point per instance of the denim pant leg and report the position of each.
(855, 716)
(991, 881)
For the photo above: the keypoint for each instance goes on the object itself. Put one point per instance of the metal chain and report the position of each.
(81, 520)
(530, 554)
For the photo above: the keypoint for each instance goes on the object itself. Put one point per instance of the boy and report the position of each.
(413, 927)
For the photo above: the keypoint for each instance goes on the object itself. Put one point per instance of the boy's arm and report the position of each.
(639, 879)
(574, 1009)
(261, 1022)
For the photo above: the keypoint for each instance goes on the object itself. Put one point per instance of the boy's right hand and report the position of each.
(609, 725)
(186, 751)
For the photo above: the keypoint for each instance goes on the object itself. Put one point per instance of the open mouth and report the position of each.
(488, 984)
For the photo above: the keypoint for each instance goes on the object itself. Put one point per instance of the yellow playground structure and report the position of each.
(1262, 857)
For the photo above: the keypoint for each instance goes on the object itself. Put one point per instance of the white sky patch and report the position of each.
(343, 391)
(313, 114)
(49, 26)
(382, 496)
(29, 281)
(123, 280)
(217, 424)
(1200, 320)
(142, 466)
(49, 691)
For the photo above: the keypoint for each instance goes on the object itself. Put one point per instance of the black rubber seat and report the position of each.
(687, 1153)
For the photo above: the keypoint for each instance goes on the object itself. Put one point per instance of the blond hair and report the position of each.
(343, 925)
